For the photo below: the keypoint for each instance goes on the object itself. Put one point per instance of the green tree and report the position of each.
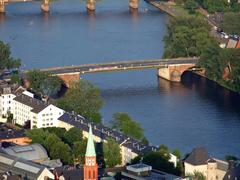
(230, 157)
(231, 23)
(72, 135)
(10, 117)
(163, 149)
(59, 132)
(158, 161)
(177, 153)
(124, 123)
(6, 61)
(191, 5)
(83, 98)
(79, 150)
(50, 140)
(210, 60)
(186, 37)
(111, 153)
(37, 135)
(44, 82)
(197, 176)
(216, 61)
(15, 79)
(213, 6)
(145, 141)
(62, 151)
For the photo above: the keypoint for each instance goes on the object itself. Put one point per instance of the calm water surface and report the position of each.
(183, 115)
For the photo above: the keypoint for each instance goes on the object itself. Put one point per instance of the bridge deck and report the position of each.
(121, 65)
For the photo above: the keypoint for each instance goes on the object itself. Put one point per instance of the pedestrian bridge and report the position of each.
(170, 69)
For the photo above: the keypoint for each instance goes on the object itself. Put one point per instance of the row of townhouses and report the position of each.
(130, 148)
(24, 108)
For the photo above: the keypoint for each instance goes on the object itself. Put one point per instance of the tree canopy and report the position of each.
(197, 176)
(79, 150)
(222, 65)
(219, 5)
(186, 37)
(6, 61)
(231, 23)
(44, 82)
(60, 144)
(124, 123)
(111, 153)
(73, 135)
(83, 98)
(158, 161)
(231, 157)
(191, 5)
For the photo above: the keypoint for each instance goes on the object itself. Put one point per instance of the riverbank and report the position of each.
(170, 8)
(222, 84)
(187, 29)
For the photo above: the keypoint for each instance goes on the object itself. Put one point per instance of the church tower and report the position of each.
(90, 166)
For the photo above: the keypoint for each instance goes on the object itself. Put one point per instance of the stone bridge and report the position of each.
(45, 6)
(169, 69)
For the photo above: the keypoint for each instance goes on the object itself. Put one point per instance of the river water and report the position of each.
(184, 115)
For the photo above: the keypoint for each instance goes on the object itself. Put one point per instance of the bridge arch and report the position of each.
(174, 72)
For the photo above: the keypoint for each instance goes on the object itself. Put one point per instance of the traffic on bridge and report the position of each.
(121, 66)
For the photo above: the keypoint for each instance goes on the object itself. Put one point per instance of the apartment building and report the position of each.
(130, 147)
(40, 114)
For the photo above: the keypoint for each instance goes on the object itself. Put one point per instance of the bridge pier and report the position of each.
(2, 6)
(174, 72)
(69, 78)
(133, 4)
(91, 5)
(45, 6)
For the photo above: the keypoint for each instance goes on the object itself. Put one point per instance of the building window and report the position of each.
(89, 174)
(93, 174)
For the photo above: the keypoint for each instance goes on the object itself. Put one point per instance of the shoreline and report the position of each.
(165, 7)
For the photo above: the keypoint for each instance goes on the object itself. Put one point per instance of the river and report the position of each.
(195, 112)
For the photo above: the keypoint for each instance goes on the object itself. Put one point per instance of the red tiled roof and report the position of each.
(238, 44)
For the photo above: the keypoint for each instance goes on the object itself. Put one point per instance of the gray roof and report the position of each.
(36, 104)
(7, 132)
(20, 166)
(33, 152)
(104, 132)
(198, 156)
(69, 174)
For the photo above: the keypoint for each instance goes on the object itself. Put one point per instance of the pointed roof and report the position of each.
(90, 144)
(198, 156)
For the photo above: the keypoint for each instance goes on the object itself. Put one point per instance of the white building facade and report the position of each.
(39, 113)
(6, 101)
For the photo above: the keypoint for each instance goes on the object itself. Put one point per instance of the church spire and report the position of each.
(90, 144)
(90, 167)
